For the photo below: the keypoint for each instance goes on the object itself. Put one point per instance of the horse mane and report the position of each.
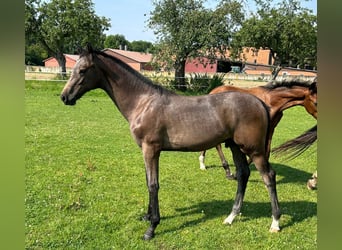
(288, 84)
(125, 66)
(298, 145)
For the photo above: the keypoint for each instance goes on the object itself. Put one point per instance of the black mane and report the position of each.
(143, 79)
(287, 84)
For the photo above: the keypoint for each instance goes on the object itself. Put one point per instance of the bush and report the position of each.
(215, 81)
(203, 84)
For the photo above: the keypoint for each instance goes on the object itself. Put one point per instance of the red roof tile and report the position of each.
(133, 55)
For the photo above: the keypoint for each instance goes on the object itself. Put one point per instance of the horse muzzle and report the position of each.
(67, 101)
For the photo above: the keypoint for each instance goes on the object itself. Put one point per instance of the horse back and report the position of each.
(201, 122)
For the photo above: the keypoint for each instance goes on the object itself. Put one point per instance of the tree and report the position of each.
(186, 29)
(116, 41)
(141, 46)
(290, 32)
(34, 53)
(61, 26)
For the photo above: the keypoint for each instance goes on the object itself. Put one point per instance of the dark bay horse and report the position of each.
(278, 96)
(161, 120)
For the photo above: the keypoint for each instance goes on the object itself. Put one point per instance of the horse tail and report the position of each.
(298, 145)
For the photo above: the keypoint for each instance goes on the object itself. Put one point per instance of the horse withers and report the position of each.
(161, 120)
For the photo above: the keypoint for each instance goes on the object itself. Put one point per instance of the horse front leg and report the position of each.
(242, 176)
(269, 177)
(151, 158)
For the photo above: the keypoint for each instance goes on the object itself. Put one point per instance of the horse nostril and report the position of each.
(63, 98)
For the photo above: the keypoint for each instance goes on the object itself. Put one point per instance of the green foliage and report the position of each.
(141, 46)
(61, 26)
(85, 185)
(289, 30)
(203, 83)
(35, 54)
(115, 41)
(215, 81)
(185, 28)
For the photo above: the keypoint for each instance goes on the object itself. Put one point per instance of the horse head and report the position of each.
(84, 77)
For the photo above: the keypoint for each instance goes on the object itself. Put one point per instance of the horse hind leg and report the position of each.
(225, 164)
(242, 176)
(201, 159)
(269, 177)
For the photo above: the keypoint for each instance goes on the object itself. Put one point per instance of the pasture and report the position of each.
(86, 188)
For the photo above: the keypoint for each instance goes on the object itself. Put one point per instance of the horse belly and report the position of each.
(196, 135)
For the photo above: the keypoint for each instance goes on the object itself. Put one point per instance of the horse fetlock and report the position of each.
(230, 176)
(146, 217)
(201, 160)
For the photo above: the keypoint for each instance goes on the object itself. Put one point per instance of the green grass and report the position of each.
(85, 185)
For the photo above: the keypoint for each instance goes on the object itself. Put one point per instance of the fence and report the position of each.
(53, 74)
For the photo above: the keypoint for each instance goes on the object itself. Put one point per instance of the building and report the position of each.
(137, 60)
(251, 62)
(226, 64)
(261, 69)
(51, 62)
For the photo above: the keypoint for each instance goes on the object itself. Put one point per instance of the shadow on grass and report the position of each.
(298, 211)
(289, 174)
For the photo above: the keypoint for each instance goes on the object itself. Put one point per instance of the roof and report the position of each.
(133, 55)
(72, 57)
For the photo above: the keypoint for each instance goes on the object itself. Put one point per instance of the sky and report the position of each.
(129, 17)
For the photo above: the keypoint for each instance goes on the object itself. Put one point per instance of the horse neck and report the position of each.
(125, 87)
(283, 98)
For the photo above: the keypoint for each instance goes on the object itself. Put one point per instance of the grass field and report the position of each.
(85, 185)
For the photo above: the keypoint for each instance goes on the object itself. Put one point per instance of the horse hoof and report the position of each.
(229, 219)
(311, 184)
(274, 230)
(231, 177)
(148, 236)
(226, 222)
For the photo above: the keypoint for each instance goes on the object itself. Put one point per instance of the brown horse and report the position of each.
(278, 96)
(161, 120)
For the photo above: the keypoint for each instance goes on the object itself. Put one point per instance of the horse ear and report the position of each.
(80, 50)
(90, 48)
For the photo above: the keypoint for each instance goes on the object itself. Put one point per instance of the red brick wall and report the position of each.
(52, 62)
(195, 65)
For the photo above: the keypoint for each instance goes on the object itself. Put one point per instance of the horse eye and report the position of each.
(82, 71)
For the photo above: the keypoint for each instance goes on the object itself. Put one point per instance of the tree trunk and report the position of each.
(180, 82)
(62, 63)
(275, 72)
(59, 56)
